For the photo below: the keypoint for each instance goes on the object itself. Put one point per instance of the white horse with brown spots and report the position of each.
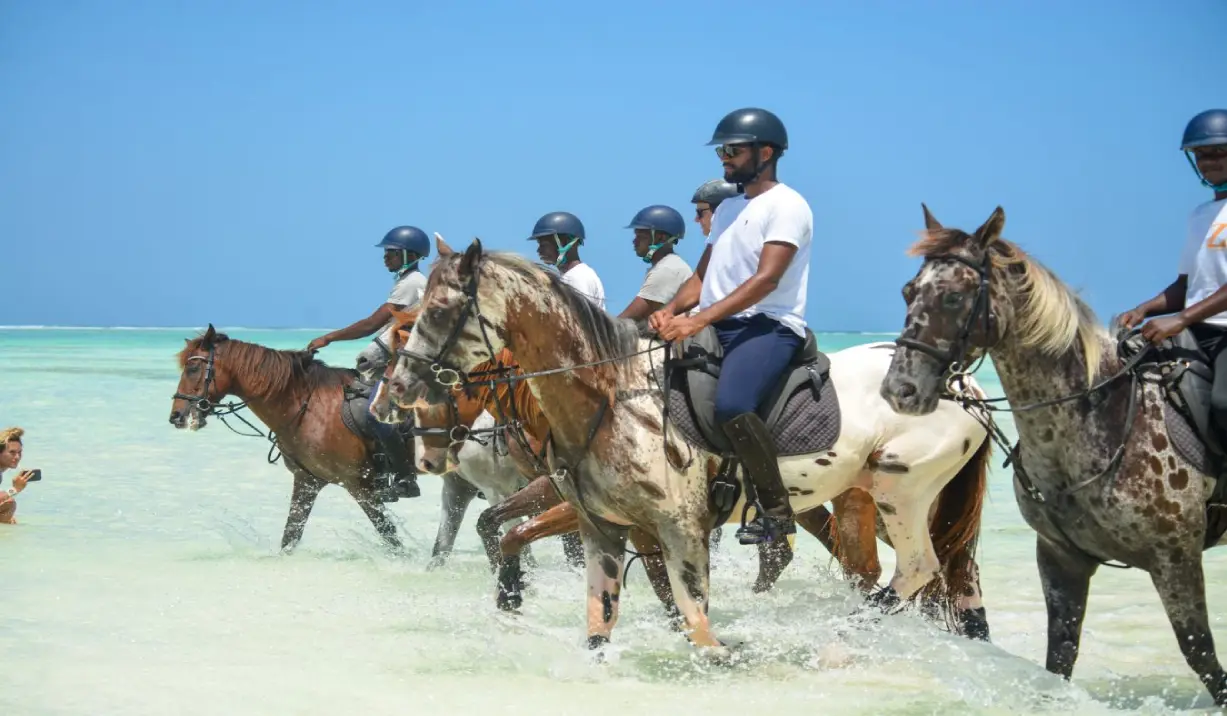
(596, 379)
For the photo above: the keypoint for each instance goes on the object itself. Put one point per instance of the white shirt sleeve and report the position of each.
(792, 222)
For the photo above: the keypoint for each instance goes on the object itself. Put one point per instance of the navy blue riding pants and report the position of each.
(757, 351)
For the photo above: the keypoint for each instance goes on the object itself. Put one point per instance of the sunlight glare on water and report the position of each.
(145, 578)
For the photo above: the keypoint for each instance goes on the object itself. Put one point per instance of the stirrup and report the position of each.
(763, 528)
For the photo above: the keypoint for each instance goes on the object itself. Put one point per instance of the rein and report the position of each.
(451, 376)
(958, 390)
(207, 407)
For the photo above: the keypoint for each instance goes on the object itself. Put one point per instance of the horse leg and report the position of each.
(538, 495)
(306, 489)
(1181, 584)
(1065, 578)
(658, 576)
(904, 514)
(604, 550)
(378, 515)
(687, 560)
(557, 520)
(857, 538)
(773, 557)
(573, 549)
(972, 617)
(456, 495)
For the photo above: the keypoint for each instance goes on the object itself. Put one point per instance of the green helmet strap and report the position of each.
(657, 246)
(1193, 163)
(562, 250)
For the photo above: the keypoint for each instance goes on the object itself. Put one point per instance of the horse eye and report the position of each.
(909, 291)
(953, 299)
(193, 369)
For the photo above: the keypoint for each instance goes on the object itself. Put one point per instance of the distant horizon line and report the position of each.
(60, 327)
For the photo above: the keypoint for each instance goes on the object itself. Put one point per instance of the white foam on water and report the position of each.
(145, 578)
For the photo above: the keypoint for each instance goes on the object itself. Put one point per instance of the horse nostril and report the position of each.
(174, 417)
(397, 387)
(907, 389)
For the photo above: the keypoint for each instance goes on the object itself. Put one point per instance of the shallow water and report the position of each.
(144, 578)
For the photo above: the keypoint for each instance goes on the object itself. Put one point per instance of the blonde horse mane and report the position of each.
(1049, 316)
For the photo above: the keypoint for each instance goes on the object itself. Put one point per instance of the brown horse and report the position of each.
(851, 538)
(300, 400)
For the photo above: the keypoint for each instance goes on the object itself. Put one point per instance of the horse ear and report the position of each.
(931, 222)
(442, 247)
(472, 256)
(990, 230)
(209, 336)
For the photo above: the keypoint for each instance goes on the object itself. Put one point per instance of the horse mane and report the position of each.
(610, 338)
(1050, 316)
(515, 396)
(269, 371)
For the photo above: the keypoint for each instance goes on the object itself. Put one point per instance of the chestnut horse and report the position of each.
(597, 384)
(850, 535)
(299, 399)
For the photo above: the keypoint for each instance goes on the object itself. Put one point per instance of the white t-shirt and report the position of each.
(582, 278)
(1204, 259)
(739, 228)
(664, 279)
(406, 292)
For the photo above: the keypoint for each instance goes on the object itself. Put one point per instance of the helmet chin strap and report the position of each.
(1193, 163)
(653, 248)
(562, 250)
(406, 264)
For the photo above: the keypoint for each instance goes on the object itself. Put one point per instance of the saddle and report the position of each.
(801, 411)
(1186, 379)
(356, 396)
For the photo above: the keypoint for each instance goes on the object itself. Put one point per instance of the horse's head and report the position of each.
(383, 408)
(441, 426)
(954, 313)
(462, 324)
(202, 382)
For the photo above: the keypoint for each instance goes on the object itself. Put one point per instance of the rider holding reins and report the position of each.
(1198, 296)
(751, 287)
(403, 249)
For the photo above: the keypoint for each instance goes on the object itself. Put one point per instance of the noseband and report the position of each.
(953, 360)
(201, 402)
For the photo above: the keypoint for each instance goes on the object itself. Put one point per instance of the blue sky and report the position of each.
(232, 162)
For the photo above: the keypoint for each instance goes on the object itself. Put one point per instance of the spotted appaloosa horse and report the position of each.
(457, 437)
(299, 399)
(1096, 472)
(595, 379)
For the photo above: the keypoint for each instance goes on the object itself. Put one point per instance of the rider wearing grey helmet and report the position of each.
(657, 228)
(707, 197)
(1198, 296)
(404, 248)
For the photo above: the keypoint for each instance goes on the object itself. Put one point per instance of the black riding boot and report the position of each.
(400, 472)
(756, 451)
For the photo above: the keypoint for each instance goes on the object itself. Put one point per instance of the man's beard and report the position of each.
(741, 176)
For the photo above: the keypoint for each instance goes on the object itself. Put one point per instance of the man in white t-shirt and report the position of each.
(403, 249)
(1199, 293)
(750, 286)
(558, 236)
(657, 229)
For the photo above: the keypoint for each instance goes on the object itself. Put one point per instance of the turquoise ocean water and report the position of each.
(144, 578)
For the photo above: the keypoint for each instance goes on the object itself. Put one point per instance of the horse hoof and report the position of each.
(509, 601)
(436, 562)
(973, 623)
(884, 599)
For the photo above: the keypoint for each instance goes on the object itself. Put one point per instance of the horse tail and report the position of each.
(955, 531)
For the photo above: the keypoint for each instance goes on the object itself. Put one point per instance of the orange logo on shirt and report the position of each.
(1217, 238)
